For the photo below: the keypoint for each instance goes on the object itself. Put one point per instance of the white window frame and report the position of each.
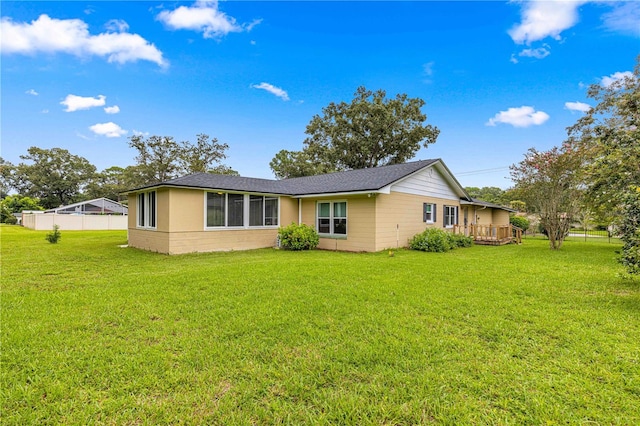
(332, 218)
(246, 211)
(450, 219)
(147, 210)
(264, 211)
(431, 216)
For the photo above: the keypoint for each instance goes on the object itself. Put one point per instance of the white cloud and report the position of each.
(577, 106)
(77, 103)
(110, 130)
(607, 81)
(545, 18)
(112, 109)
(72, 36)
(523, 116)
(539, 53)
(117, 26)
(272, 89)
(139, 133)
(32, 92)
(204, 17)
(428, 68)
(625, 18)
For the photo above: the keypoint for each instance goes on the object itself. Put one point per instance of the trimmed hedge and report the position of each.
(521, 222)
(298, 237)
(438, 241)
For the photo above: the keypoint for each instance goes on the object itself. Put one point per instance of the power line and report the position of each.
(482, 171)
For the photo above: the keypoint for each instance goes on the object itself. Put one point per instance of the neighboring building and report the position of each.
(97, 214)
(96, 206)
(358, 210)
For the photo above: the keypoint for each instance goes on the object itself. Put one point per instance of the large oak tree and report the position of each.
(55, 176)
(372, 130)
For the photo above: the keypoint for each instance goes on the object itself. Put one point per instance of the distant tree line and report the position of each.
(54, 177)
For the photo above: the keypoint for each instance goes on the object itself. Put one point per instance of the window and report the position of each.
(263, 211)
(270, 211)
(216, 209)
(450, 216)
(429, 212)
(332, 218)
(147, 209)
(230, 210)
(235, 209)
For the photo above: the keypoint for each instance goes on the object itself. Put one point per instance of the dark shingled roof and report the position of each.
(350, 181)
(477, 202)
(353, 180)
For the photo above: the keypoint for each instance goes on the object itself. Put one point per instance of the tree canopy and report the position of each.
(55, 176)
(548, 182)
(161, 158)
(372, 130)
(607, 138)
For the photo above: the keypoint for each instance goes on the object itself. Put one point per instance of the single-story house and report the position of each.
(357, 210)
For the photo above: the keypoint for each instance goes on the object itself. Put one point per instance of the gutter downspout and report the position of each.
(299, 211)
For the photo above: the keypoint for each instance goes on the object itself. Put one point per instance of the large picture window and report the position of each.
(332, 218)
(240, 210)
(450, 216)
(147, 209)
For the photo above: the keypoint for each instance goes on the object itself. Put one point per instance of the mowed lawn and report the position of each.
(97, 334)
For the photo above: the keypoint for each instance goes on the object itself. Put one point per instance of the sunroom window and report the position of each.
(240, 210)
(147, 208)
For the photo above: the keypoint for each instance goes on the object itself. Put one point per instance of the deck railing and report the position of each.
(498, 234)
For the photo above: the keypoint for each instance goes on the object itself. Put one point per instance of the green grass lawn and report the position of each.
(97, 334)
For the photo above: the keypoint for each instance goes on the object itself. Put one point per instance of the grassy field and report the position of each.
(97, 334)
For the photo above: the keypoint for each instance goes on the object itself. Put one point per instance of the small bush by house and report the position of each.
(520, 221)
(298, 237)
(438, 241)
(458, 240)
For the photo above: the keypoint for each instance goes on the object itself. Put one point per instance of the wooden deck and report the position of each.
(495, 235)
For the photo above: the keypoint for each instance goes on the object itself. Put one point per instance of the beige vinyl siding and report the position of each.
(483, 216)
(399, 217)
(500, 217)
(488, 216)
(288, 211)
(187, 210)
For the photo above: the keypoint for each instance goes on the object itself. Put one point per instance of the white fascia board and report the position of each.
(199, 188)
(384, 190)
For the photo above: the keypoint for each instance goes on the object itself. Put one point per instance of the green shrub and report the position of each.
(459, 240)
(432, 240)
(11, 220)
(54, 236)
(298, 237)
(521, 222)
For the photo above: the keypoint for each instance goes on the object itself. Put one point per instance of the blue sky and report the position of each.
(497, 77)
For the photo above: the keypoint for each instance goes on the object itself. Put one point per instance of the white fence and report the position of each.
(73, 222)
